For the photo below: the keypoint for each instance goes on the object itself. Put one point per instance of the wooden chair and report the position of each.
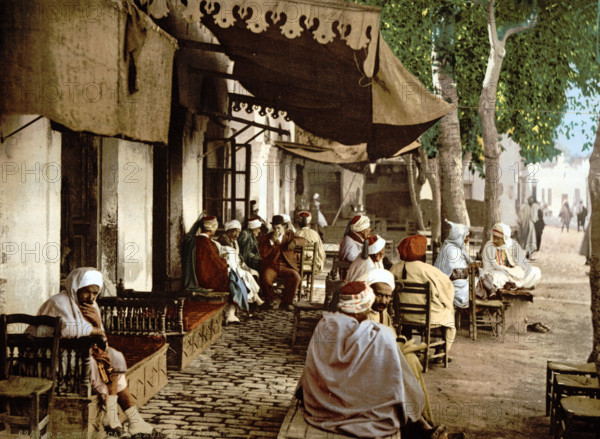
(577, 415)
(564, 386)
(491, 312)
(307, 264)
(412, 314)
(339, 270)
(28, 367)
(332, 294)
(554, 367)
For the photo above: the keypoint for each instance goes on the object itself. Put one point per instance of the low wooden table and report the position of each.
(516, 303)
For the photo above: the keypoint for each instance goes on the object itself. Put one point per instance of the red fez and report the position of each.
(412, 248)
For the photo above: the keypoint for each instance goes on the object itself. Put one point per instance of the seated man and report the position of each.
(359, 229)
(312, 237)
(382, 283)
(504, 260)
(413, 268)
(360, 268)
(453, 260)
(231, 252)
(278, 259)
(356, 381)
(248, 241)
(212, 270)
(80, 315)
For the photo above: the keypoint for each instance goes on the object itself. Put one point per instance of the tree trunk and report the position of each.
(434, 181)
(491, 146)
(594, 185)
(487, 115)
(414, 189)
(453, 206)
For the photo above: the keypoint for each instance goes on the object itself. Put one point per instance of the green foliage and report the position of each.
(539, 68)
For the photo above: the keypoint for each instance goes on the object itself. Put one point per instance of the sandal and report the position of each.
(537, 327)
(438, 432)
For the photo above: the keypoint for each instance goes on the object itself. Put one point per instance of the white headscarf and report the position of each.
(377, 245)
(506, 232)
(453, 249)
(66, 306)
(254, 224)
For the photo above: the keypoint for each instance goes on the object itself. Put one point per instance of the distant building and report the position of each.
(563, 178)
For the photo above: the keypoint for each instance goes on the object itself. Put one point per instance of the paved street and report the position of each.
(238, 388)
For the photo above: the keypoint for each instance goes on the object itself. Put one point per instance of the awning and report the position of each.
(318, 149)
(323, 62)
(100, 66)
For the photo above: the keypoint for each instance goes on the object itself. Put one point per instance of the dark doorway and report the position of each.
(79, 201)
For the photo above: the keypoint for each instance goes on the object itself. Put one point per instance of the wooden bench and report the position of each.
(295, 427)
(516, 303)
(189, 323)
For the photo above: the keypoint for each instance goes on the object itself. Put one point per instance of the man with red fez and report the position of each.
(278, 260)
(211, 268)
(360, 268)
(413, 268)
(506, 261)
(356, 381)
(312, 237)
(359, 229)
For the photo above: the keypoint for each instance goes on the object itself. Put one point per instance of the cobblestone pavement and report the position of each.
(240, 387)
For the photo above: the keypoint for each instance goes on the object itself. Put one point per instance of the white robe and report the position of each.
(516, 269)
(359, 270)
(349, 249)
(235, 262)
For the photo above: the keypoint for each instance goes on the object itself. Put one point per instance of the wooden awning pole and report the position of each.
(344, 199)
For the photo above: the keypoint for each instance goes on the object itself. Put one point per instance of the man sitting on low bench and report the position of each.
(356, 381)
(81, 317)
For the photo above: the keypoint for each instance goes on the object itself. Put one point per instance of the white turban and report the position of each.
(286, 218)
(381, 275)
(210, 223)
(254, 224)
(233, 224)
(360, 223)
(376, 244)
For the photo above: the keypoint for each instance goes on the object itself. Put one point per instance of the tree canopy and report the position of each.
(541, 65)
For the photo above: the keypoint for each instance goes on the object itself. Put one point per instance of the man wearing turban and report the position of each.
(211, 268)
(311, 237)
(360, 268)
(80, 316)
(359, 229)
(356, 381)
(248, 241)
(413, 268)
(506, 262)
(231, 252)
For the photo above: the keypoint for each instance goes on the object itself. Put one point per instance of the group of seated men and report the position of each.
(246, 263)
(360, 379)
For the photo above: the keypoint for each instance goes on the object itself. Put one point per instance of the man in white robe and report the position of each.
(360, 268)
(80, 315)
(230, 250)
(359, 229)
(453, 260)
(356, 381)
(505, 261)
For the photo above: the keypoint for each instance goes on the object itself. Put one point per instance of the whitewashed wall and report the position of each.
(30, 185)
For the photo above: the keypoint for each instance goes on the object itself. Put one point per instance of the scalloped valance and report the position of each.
(325, 20)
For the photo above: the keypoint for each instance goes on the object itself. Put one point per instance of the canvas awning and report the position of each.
(100, 66)
(323, 62)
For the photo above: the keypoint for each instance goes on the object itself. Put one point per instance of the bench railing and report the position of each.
(141, 315)
(73, 375)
